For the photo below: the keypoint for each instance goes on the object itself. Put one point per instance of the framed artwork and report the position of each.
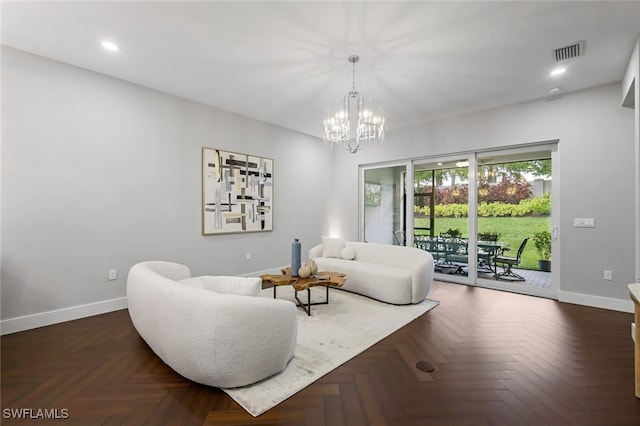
(372, 194)
(237, 192)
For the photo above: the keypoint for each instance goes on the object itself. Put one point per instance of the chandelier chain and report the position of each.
(353, 59)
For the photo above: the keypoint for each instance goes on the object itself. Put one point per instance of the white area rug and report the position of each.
(334, 334)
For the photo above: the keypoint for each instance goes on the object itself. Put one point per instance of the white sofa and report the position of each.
(212, 330)
(393, 274)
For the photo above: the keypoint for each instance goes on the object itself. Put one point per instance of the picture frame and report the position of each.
(372, 194)
(237, 192)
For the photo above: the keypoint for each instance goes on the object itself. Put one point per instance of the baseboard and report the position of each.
(28, 322)
(596, 301)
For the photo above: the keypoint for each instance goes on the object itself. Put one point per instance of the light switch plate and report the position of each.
(584, 222)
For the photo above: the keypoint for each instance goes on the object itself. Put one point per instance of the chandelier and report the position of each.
(370, 122)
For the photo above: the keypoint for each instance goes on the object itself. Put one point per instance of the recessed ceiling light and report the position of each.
(109, 45)
(558, 71)
(554, 89)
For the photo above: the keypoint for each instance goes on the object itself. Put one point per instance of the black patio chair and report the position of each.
(507, 262)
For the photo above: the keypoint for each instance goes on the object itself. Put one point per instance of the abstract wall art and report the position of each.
(237, 192)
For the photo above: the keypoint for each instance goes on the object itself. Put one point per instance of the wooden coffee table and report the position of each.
(323, 278)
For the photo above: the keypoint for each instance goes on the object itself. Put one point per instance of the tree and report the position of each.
(496, 182)
(515, 170)
(424, 178)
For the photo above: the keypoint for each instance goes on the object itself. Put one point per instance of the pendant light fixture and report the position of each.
(356, 121)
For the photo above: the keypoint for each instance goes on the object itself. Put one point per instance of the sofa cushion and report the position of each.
(348, 253)
(331, 247)
(243, 286)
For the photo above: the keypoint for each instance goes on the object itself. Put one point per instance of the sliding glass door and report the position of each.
(440, 215)
(515, 220)
(487, 217)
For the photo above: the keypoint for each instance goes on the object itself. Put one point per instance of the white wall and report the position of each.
(99, 174)
(596, 155)
(631, 98)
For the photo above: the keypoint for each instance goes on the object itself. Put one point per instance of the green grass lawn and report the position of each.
(511, 229)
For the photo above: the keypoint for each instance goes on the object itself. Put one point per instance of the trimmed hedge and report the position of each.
(536, 206)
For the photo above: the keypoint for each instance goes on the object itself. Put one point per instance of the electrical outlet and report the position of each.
(608, 275)
(248, 256)
(113, 275)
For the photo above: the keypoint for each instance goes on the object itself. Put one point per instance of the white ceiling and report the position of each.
(285, 62)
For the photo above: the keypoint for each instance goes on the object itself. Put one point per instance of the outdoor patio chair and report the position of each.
(507, 262)
(457, 254)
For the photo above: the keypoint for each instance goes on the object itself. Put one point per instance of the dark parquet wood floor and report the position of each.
(501, 359)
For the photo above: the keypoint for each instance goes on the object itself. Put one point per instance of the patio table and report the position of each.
(447, 251)
(487, 252)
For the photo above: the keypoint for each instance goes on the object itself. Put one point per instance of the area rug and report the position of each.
(331, 336)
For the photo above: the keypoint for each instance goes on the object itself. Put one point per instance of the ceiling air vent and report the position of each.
(568, 52)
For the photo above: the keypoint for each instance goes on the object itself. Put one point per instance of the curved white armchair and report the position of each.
(204, 332)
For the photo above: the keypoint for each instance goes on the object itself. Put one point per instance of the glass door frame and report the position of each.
(552, 291)
(408, 215)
